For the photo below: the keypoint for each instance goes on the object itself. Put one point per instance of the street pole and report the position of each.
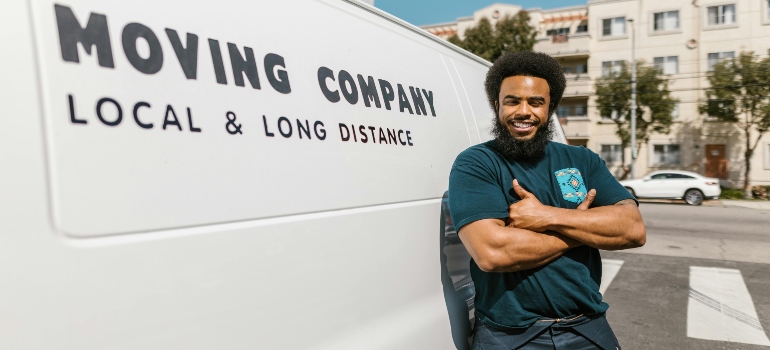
(633, 96)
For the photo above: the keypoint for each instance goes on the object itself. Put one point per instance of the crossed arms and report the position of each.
(535, 234)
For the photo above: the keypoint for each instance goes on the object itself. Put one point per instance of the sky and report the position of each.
(421, 12)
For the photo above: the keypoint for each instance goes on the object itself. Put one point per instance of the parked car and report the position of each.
(674, 184)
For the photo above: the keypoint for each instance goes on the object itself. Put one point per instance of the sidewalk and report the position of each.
(753, 204)
(725, 203)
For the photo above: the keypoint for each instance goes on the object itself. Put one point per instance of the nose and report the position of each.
(525, 110)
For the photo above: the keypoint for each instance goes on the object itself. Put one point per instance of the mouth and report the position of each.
(522, 126)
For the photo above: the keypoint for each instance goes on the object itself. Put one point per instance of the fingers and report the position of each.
(588, 200)
(520, 190)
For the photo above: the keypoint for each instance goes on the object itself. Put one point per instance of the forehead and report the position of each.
(523, 86)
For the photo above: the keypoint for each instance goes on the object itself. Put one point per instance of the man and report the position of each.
(533, 230)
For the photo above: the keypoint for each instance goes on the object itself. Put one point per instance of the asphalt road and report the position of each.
(652, 291)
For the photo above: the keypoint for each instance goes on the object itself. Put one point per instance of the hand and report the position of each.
(528, 213)
(588, 200)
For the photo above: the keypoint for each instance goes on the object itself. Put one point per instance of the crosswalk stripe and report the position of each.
(720, 307)
(610, 269)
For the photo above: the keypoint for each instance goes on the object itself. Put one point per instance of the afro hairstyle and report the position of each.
(526, 63)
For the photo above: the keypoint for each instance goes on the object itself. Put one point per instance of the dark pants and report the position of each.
(580, 333)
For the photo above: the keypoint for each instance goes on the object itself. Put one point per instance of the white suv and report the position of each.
(676, 184)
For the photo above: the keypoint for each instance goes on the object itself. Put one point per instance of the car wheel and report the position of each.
(631, 191)
(693, 197)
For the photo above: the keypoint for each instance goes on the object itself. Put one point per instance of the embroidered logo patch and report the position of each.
(571, 183)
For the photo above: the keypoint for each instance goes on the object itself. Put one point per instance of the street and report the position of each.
(702, 281)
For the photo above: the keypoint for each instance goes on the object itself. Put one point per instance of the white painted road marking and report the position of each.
(610, 269)
(720, 307)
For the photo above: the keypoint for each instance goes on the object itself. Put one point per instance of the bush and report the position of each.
(731, 193)
(759, 192)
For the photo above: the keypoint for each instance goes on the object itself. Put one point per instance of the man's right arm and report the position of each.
(497, 248)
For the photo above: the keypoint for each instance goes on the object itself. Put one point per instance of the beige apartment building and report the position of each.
(685, 38)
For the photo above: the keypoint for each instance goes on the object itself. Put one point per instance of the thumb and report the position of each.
(588, 200)
(520, 190)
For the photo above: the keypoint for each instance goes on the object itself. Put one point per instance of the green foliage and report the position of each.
(731, 193)
(739, 93)
(454, 39)
(654, 103)
(481, 40)
(515, 33)
(510, 34)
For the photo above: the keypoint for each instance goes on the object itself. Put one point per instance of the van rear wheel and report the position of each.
(693, 197)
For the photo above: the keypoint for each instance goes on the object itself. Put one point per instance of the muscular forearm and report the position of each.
(611, 227)
(532, 249)
(510, 249)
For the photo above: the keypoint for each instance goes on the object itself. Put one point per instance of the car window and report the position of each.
(659, 176)
(680, 176)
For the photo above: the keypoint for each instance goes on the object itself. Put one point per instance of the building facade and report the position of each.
(685, 39)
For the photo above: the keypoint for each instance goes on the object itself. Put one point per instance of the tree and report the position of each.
(515, 33)
(510, 34)
(739, 93)
(481, 40)
(654, 104)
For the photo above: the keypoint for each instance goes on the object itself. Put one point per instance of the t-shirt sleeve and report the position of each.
(474, 192)
(608, 190)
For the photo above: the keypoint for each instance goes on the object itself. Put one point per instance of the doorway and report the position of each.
(716, 161)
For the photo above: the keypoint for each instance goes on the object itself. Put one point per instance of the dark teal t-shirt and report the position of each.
(480, 187)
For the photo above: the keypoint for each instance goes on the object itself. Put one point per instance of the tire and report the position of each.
(693, 197)
(631, 191)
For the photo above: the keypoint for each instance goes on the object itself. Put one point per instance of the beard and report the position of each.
(522, 150)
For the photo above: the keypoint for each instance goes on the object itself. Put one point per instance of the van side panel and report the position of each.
(121, 236)
(294, 121)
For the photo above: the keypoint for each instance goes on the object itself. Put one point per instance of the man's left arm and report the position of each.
(611, 227)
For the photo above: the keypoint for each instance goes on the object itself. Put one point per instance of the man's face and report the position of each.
(522, 106)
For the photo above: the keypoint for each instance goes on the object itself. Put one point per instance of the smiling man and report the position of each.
(522, 209)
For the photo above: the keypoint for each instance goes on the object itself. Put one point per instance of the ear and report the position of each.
(497, 107)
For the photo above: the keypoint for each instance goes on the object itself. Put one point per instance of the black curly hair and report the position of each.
(526, 63)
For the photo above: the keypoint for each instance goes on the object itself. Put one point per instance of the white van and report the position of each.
(230, 175)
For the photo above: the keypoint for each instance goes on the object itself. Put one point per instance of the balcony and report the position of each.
(565, 45)
(576, 127)
(578, 85)
(559, 38)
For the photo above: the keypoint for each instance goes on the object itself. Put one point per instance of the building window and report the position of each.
(614, 26)
(663, 21)
(552, 32)
(666, 154)
(722, 14)
(572, 111)
(720, 107)
(612, 154)
(767, 10)
(583, 26)
(669, 65)
(715, 57)
(611, 67)
(579, 68)
(613, 116)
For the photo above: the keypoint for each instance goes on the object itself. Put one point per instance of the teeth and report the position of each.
(522, 125)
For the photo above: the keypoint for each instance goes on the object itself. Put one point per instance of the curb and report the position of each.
(721, 203)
